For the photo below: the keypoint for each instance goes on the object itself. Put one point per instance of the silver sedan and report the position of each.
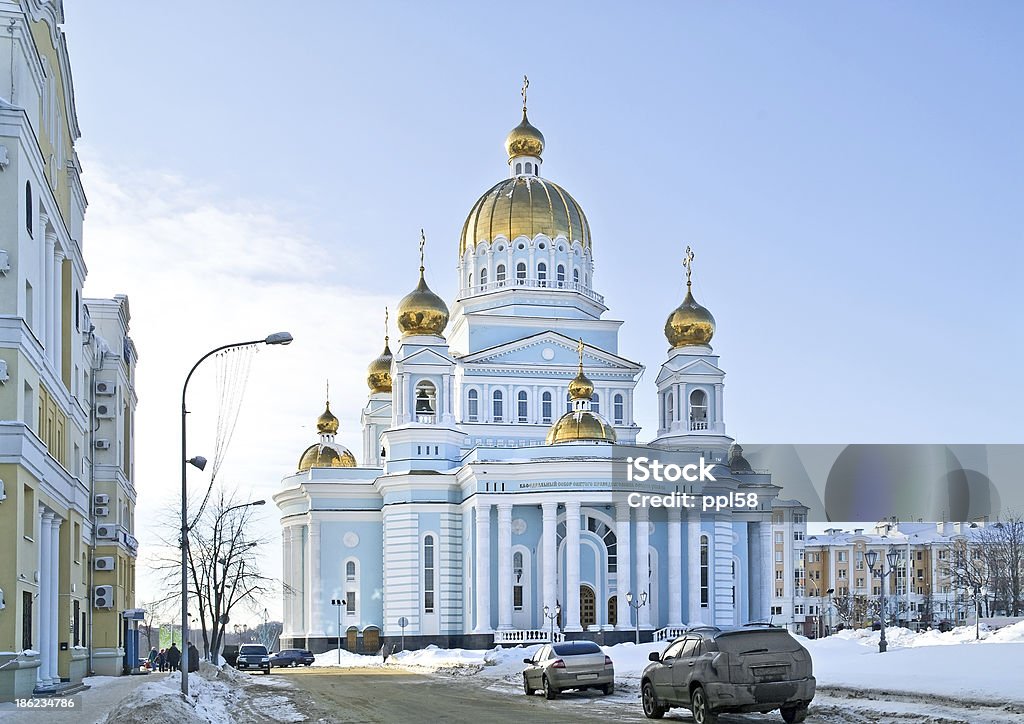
(570, 665)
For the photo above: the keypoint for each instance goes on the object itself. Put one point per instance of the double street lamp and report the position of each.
(200, 462)
(640, 601)
(552, 614)
(892, 558)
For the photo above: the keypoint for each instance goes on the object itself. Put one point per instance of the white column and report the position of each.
(643, 565)
(767, 566)
(572, 566)
(315, 625)
(623, 566)
(504, 565)
(550, 568)
(693, 566)
(46, 295)
(58, 310)
(723, 580)
(54, 572)
(483, 567)
(43, 626)
(286, 575)
(675, 568)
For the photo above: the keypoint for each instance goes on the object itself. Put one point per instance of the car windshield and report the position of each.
(253, 650)
(756, 642)
(577, 648)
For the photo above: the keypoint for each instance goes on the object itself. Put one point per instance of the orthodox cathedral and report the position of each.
(491, 503)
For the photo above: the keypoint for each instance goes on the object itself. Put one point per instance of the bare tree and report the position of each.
(223, 565)
(850, 608)
(1004, 545)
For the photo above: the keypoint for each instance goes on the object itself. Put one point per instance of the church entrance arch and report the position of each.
(588, 607)
(352, 639)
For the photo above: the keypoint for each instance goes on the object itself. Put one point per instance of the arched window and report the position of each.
(483, 276)
(618, 410)
(471, 279)
(542, 274)
(670, 410)
(698, 410)
(561, 275)
(426, 401)
(29, 213)
(529, 167)
(704, 578)
(472, 406)
(568, 402)
(517, 581)
(350, 571)
(522, 407)
(521, 273)
(545, 408)
(595, 403)
(499, 274)
(576, 276)
(519, 168)
(497, 406)
(428, 574)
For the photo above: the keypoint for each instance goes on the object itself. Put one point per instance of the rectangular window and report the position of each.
(798, 535)
(778, 593)
(778, 575)
(920, 573)
(778, 536)
(798, 609)
(778, 556)
(799, 518)
(842, 573)
(350, 603)
(26, 620)
(28, 512)
(920, 555)
(517, 598)
(841, 556)
(776, 610)
(75, 633)
(428, 574)
(704, 572)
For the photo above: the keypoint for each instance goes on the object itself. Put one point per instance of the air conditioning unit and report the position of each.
(105, 388)
(102, 511)
(103, 597)
(101, 498)
(105, 563)
(103, 444)
(105, 412)
(106, 531)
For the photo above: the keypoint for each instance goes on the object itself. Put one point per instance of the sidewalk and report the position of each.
(94, 703)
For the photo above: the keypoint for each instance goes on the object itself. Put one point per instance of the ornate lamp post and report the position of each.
(892, 558)
(551, 615)
(640, 601)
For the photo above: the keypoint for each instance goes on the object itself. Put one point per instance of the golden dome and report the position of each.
(378, 374)
(326, 455)
(524, 206)
(524, 140)
(580, 387)
(422, 312)
(689, 323)
(327, 423)
(580, 426)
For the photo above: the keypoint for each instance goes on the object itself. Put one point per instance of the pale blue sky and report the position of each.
(849, 175)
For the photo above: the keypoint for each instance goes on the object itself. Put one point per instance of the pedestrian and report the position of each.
(193, 657)
(161, 660)
(173, 657)
(151, 661)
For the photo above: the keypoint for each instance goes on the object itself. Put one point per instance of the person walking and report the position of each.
(161, 660)
(173, 657)
(193, 657)
(152, 658)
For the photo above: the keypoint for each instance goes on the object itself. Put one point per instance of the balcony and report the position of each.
(526, 636)
(698, 424)
(534, 284)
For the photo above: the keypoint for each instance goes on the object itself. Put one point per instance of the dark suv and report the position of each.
(253, 656)
(710, 670)
(292, 657)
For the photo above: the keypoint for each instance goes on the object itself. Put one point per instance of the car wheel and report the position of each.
(608, 689)
(791, 714)
(652, 710)
(549, 691)
(700, 707)
(526, 686)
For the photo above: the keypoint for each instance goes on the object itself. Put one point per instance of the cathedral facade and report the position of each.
(490, 503)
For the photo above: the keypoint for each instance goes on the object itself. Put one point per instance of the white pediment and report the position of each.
(425, 357)
(693, 368)
(548, 349)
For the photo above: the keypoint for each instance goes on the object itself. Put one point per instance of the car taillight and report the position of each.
(558, 664)
(607, 660)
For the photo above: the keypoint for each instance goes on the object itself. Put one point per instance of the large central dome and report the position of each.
(525, 206)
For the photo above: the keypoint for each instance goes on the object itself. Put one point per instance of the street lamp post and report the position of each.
(551, 615)
(199, 462)
(829, 592)
(641, 601)
(338, 603)
(892, 558)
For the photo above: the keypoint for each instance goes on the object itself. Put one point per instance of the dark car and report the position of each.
(569, 665)
(710, 670)
(292, 657)
(253, 656)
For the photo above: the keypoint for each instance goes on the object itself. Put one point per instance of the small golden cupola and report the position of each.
(421, 311)
(581, 424)
(326, 453)
(378, 374)
(524, 139)
(689, 324)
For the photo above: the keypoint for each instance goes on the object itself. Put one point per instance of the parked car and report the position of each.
(710, 670)
(569, 665)
(253, 656)
(292, 657)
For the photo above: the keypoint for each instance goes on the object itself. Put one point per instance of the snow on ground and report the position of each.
(346, 660)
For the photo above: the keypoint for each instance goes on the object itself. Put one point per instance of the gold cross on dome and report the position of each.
(423, 243)
(328, 393)
(688, 263)
(385, 324)
(526, 84)
(579, 351)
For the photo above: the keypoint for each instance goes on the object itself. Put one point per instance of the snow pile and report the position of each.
(347, 660)
(159, 701)
(451, 661)
(897, 637)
